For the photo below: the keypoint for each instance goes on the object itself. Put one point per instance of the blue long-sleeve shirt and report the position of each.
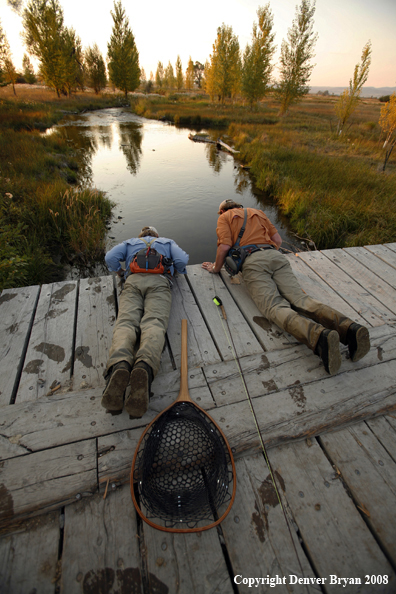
(125, 251)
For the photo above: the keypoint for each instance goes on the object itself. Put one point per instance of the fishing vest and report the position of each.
(149, 260)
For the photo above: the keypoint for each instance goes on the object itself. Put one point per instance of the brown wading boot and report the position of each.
(117, 379)
(137, 402)
(358, 341)
(328, 349)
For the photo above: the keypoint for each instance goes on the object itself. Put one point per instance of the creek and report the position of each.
(157, 176)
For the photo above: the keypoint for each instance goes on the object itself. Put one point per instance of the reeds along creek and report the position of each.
(44, 218)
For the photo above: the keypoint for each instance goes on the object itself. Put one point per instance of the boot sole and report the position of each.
(363, 344)
(137, 402)
(334, 355)
(113, 396)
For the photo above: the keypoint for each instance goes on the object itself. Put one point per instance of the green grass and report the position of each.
(45, 220)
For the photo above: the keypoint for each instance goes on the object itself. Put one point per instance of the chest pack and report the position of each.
(149, 260)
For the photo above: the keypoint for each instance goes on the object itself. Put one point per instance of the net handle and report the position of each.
(184, 395)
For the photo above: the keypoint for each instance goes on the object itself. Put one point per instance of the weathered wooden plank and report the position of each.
(374, 263)
(314, 286)
(384, 253)
(201, 348)
(385, 432)
(46, 480)
(116, 453)
(391, 246)
(95, 322)
(29, 557)
(367, 306)
(338, 541)
(370, 282)
(49, 356)
(71, 417)
(370, 474)
(205, 287)
(289, 368)
(310, 409)
(256, 534)
(17, 309)
(269, 335)
(101, 546)
(187, 562)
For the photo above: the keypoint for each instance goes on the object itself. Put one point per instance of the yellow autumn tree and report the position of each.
(190, 75)
(349, 99)
(387, 122)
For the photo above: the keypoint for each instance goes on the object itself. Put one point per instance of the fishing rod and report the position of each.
(218, 302)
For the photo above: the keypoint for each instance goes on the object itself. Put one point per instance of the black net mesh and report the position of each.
(182, 469)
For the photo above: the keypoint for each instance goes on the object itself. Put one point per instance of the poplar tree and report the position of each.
(387, 122)
(296, 54)
(169, 77)
(6, 64)
(199, 70)
(123, 57)
(225, 64)
(159, 75)
(179, 74)
(47, 39)
(190, 75)
(349, 99)
(28, 71)
(257, 67)
(95, 69)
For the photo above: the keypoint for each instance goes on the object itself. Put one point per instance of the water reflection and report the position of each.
(157, 176)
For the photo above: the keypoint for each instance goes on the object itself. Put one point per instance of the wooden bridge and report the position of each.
(67, 520)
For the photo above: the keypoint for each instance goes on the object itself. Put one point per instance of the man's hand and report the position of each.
(209, 266)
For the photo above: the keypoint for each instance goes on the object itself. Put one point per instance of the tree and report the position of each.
(169, 77)
(257, 67)
(159, 75)
(179, 74)
(296, 53)
(199, 73)
(95, 69)
(73, 57)
(387, 122)
(123, 65)
(349, 99)
(45, 39)
(225, 64)
(28, 71)
(190, 75)
(6, 64)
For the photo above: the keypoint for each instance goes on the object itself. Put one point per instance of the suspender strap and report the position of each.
(241, 232)
(147, 242)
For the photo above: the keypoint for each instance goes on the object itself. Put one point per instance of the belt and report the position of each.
(251, 249)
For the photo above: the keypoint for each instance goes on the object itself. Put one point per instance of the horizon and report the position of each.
(338, 48)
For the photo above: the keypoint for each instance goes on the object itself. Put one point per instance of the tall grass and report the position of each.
(45, 221)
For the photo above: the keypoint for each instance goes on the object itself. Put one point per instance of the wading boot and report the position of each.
(137, 401)
(117, 379)
(358, 341)
(328, 349)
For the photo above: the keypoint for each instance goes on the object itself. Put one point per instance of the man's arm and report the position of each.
(221, 254)
(277, 239)
(113, 258)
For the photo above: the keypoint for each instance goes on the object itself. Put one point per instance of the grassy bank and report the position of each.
(331, 188)
(45, 220)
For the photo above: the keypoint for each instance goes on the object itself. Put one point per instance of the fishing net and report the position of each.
(183, 468)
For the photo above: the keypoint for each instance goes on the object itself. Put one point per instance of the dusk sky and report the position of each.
(163, 30)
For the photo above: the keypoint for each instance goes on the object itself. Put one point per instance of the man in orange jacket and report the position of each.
(275, 290)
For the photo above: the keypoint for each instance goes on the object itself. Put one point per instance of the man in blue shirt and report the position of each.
(144, 310)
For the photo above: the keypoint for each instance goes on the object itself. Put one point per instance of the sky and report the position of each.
(165, 29)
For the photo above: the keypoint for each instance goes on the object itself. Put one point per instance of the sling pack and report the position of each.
(149, 260)
(236, 255)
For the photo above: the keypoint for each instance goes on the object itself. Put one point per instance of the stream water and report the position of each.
(157, 176)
